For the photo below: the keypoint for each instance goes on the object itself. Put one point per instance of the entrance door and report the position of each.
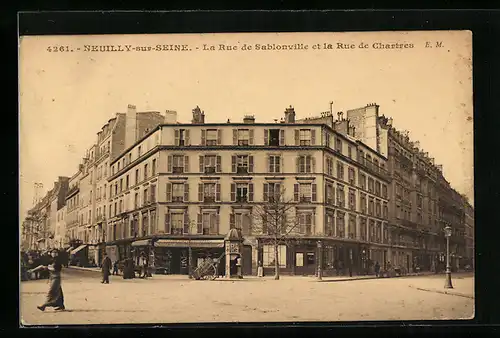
(247, 260)
(305, 263)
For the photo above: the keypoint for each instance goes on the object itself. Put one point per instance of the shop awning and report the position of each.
(142, 242)
(75, 251)
(194, 243)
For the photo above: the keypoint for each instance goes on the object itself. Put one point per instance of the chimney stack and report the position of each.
(290, 115)
(130, 125)
(249, 119)
(198, 116)
(170, 117)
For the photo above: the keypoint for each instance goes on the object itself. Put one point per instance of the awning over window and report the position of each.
(194, 243)
(142, 242)
(75, 251)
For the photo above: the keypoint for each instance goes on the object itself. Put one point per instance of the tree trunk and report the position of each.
(276, 262)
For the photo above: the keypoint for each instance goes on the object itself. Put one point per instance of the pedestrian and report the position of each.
(55, 297)
(143, 266)
(115, 268)
(377, 269)
(260, 270)
(105, 269)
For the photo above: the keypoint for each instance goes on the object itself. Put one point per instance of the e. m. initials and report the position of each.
(437, 44)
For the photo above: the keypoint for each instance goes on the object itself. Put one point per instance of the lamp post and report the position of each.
(447, 234)
(320, 260)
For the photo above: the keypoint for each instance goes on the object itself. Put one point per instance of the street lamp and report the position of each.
(447, 234)
(320, 260)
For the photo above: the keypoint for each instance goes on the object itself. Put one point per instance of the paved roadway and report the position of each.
(176, 299)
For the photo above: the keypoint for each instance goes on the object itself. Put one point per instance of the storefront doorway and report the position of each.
(305, 262)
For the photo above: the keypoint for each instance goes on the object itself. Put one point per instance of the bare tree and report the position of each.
(275, 220)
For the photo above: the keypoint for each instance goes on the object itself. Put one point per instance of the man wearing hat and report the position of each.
(106, 268)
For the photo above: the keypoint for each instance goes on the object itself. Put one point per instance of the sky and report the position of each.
(66, 97)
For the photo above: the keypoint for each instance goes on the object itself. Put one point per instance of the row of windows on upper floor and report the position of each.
(271, 137)
(244, 164)
(244, 192)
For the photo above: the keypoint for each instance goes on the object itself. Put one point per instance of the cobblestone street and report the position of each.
(176, 299)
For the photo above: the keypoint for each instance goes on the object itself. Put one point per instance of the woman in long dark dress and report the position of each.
(55, 297)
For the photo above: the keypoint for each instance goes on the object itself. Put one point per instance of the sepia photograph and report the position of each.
(246, 178)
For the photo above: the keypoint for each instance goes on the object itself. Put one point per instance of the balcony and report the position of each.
(373, 168)
(178, 170)
(242, 170)
(305, 199)
(209, 199)
(177, 199)
(209, 170)
(241, 199)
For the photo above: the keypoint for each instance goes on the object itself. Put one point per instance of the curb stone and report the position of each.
(450, 293)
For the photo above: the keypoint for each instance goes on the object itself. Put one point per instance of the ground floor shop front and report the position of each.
(336, 258)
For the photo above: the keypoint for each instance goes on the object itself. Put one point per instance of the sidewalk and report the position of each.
(347, 278)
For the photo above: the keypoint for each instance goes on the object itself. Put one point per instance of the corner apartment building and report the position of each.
(422, 202)
(72, 218)
(187, 185)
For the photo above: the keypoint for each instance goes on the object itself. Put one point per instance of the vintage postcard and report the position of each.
(257, 177)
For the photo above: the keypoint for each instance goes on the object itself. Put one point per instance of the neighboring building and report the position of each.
(60, 231)
(72, 219)
(469, 233)
(189, 184)
(422, 202)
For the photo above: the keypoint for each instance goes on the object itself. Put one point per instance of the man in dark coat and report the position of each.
(106, 269)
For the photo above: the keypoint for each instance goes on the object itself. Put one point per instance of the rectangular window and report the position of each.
(305, 137)
(272, 137)
(211, 137)
(330, 194)
(242, 221)
(209, 192)
(340, 224)
(362, 201)
(139, 153)
(136, 176)
(352, 226)
(210, 226)
(241, 192)
(329, 166)
(305, 223)
(153, 167)
(178, 164)
(305, 193)
(126, 183)
(384, 191)
(329, 225)
(136, 201)
(338, 145)
(210, 164)
(352, 199)
(180, 137)
(371, 206)
(145, 199)
(340, 196)
(362, 229)
(177, 192)
(268, 259)
(352, 176)
(242, 164)
(340, 170)
(274, 164)
(306, 164)
(370, 184)
(177, 223)
(385, 210)
(362, 181)
(378, 208)
(243, 137)
(377, 188)
(272, 192)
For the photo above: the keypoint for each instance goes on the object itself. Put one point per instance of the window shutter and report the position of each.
(250, 164)
(219, 136)
(297, 137)
(186, 192)
(217, 223)
(199, 224)
(266, 137)
(203, 137)
(231, 221)
(268, 164)
(167, 223)
(187, 137)
(186, 223)
(233, 192)
(186, 164)
(266, 192)
(297, 164)
(250, 137)
(233, 164)
(170, 163)
(250, 192)
(217, 192)
(235, 136)
(296, 192)
(169, 192)
(177, 137)
(282, 137)
(200, 192)
(202, 163)
(264, 225)
(314, 192)
(313, 136)
(313, 164)
(219, 164)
